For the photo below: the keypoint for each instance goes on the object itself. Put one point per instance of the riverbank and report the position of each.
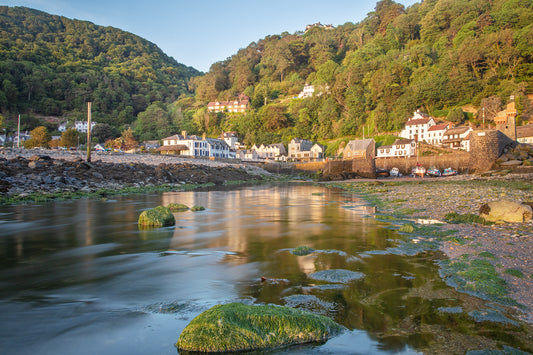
(25, 174)
(474, 250)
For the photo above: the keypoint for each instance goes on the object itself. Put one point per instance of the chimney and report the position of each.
(203, 136)
(184, 134)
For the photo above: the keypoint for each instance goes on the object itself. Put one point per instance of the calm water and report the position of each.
(80, 277)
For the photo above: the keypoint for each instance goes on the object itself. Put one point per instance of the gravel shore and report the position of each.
(509, 245)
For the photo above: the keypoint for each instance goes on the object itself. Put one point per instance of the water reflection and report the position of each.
(111, 288)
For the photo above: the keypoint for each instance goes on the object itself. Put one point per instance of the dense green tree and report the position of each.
(70, 138)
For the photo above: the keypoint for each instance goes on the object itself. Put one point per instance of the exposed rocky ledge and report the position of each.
(28, 171)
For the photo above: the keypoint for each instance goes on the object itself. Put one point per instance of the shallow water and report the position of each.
(79, 277)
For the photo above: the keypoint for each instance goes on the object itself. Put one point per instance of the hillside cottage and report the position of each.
(304, 150)
(436, 133)
(270, 151)
(457, 138)
(400, 148)
(417, 127)
(242, 104)
(360, 149)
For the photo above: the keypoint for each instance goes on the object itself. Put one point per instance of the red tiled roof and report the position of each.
(439, 127)
(417, 121)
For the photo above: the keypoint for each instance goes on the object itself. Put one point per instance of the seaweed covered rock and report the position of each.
(302, 250)
(506, 211)
(157, 217)
(238, 327)
(177, 207)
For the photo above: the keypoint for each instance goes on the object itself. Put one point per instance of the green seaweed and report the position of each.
(467, 218)
(238, 327)
(302, 250)
(197, 208)
(157, 217)
(177, 207)
(515, 273)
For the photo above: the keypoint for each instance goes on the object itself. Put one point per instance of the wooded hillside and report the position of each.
(437, 56)
(52, 65)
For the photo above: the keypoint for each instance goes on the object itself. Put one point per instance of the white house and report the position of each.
(270, 151)
(63, 127)
(184, 144)
(307, 91)
(217, 148)
(248, 155)
(81, 126)
(417, 127)
(302, 149)
(231, 139)
(400, 148)
(436, 133)
(457, 138)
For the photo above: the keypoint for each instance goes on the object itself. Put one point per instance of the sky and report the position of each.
(199, 33)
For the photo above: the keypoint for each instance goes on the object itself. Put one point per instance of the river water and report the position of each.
(80, 277)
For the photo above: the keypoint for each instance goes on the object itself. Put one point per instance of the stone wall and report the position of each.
(458, 160)
(486, 146)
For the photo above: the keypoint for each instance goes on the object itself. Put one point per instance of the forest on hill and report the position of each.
(51, 66)
(437, 56)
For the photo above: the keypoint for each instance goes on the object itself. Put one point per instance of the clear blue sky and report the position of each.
(199, 33)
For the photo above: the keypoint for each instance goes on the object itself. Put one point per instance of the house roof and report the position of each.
(359, 144)
(173, 148)
(402, 141)
(524, 131)
(418, 121)
(439, 127)
(457, 130)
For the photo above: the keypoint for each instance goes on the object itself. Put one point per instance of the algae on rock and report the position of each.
(157, 217)
(239, 327)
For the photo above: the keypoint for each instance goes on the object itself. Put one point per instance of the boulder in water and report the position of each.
(237, 327)
(157, 217)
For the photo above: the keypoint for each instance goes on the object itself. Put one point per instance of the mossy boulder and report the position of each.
(197, 208)
(238, 327)
(157, 217)
(177, 207)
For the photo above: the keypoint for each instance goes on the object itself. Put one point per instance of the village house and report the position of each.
(307, 91)
(247, 155)
(417, 127)
(457, 138)
(360, 149)
(524, 133)
(231, 140)
(270, 151)
(436, 133)
(242, 104)
(81, 126)
(318, 24)
(400, 148)
(194, 146)
(304, 150)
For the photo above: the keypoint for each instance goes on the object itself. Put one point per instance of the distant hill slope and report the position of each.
(436, 55)
(51, 65)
